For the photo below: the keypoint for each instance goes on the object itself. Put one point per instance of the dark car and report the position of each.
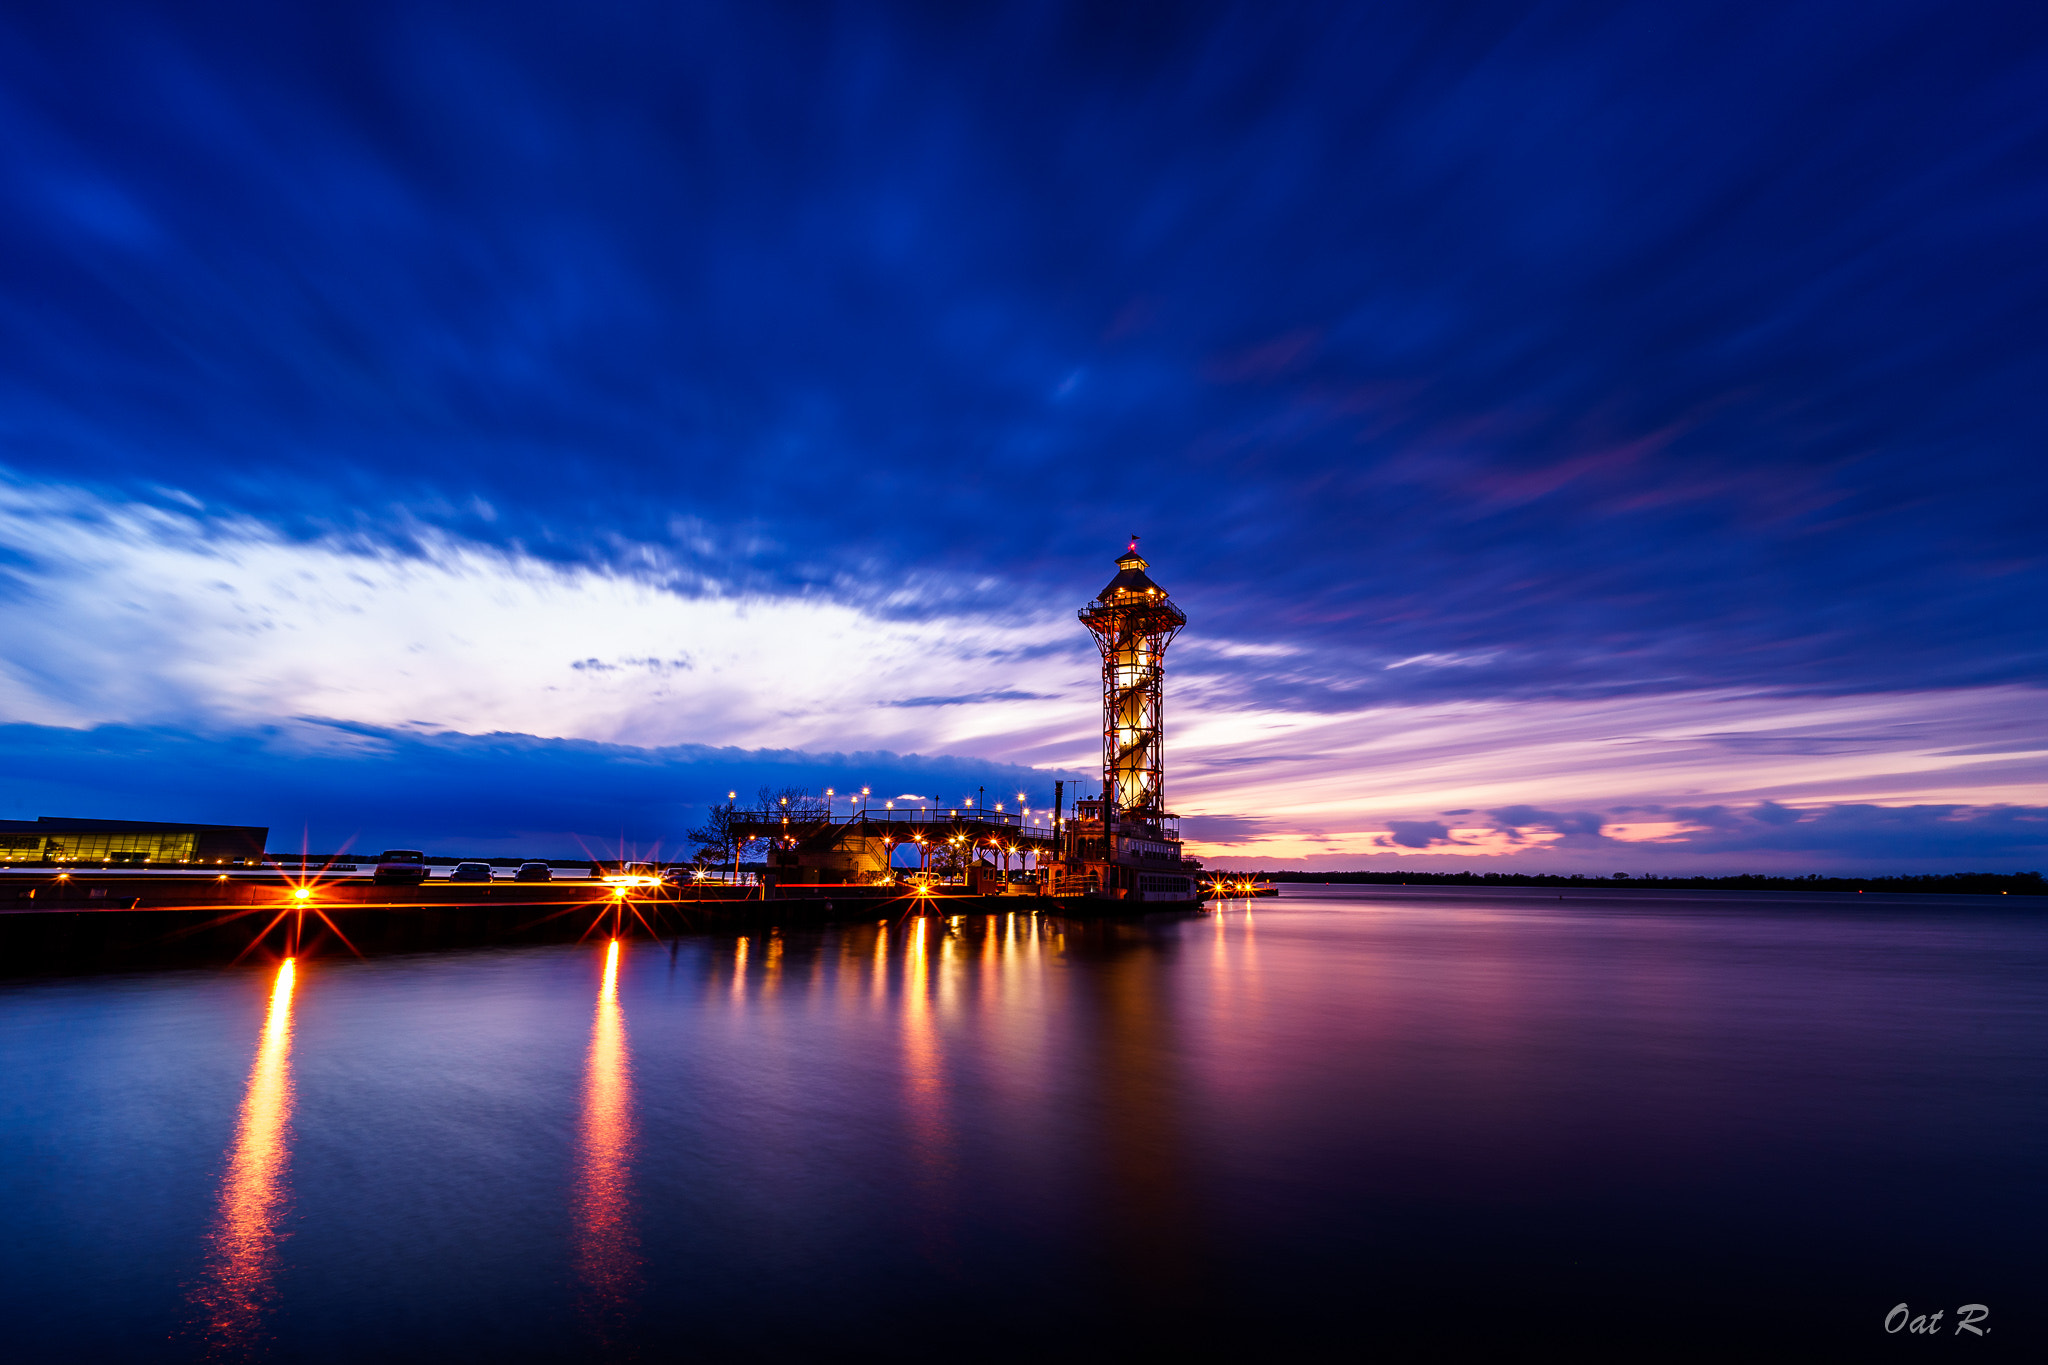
(534, 872)
(401, 867)
(470, 872)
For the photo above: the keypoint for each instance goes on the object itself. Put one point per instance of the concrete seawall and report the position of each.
(138, 920)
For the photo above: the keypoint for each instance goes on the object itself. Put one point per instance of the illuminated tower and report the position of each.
(1133, 623)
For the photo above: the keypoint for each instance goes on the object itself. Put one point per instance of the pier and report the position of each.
(93, 920)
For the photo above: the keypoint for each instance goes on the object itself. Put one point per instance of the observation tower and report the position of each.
(1133, 622)
(1127, 844)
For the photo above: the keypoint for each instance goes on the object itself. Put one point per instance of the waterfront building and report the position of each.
(64, 839)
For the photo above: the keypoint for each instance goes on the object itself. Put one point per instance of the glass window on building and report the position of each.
(90, 847)
(21, 848)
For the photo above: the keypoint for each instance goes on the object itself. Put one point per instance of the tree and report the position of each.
(718, 837)
(951, 852)
(795, 802)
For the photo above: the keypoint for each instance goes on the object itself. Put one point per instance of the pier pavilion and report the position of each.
(810, 845)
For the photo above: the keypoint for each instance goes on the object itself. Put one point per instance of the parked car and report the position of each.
(633, 874)
(400, 867)
(534, 872)
(470, 872)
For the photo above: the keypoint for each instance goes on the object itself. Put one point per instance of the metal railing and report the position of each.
(810, 815)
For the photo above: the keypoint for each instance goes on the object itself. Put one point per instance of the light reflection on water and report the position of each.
(1340, 1120)
(243, 1249)
(607, 1250)
(925, 1086)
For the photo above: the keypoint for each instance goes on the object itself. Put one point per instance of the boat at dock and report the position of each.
(1232, 889)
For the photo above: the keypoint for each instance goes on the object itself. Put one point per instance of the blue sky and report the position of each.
(1592, 437)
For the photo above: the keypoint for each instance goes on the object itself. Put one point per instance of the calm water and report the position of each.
(1352, 1122)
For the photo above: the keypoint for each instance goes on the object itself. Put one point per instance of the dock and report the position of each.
(109, 920)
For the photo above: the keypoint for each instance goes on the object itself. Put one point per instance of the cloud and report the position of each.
(1765, 837)
(1223, 829)
(681, 664)
(1573, 828)
(1548, 769)
(1802, 456)
(1897, 835)
(1417, 833)
(128, 613)
(971, 699)
(368, 787)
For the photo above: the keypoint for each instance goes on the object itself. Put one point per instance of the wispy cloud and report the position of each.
(1765, 837)
(135, 614)
(972, 699)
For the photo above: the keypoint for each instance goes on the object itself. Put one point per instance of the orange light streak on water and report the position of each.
(931, 1135)
(990, 993)
(606, 1250)
(880, 976)
(242, 1259)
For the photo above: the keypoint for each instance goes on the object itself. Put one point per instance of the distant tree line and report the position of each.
(1942, 883)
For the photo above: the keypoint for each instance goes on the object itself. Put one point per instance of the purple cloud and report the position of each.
(1417, 833)
(1578, 828)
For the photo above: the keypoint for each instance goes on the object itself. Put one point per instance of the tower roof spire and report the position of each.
(1130, 581)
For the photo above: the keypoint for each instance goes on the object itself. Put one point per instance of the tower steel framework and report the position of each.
(1133, 622)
